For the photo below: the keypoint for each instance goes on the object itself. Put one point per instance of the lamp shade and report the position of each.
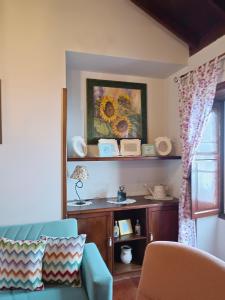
(80, 173)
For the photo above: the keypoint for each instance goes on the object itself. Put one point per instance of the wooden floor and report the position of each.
(125, 289)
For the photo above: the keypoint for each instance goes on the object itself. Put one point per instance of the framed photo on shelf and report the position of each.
(125, 227)
(130, 147)
(108, 148)
(116, 110)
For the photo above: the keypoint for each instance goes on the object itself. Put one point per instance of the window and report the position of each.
(207, 184)
(206, 168)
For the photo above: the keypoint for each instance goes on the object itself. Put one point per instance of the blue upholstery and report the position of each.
(53, 293)
(97, 281)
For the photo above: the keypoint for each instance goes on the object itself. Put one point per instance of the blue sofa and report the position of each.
(96, 279)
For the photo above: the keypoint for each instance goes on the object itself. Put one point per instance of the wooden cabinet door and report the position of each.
(163, 223)
(98, 227)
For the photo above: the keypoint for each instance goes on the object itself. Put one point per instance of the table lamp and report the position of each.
(80, 174)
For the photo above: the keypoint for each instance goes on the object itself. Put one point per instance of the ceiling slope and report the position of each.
(196, 22)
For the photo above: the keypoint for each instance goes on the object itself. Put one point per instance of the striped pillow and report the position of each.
(62, 260)
(21, 264)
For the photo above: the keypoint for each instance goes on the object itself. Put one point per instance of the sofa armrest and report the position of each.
(96, 277)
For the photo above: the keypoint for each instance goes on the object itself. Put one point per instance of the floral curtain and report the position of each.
(196, 91)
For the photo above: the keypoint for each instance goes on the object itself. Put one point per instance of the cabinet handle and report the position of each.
(151, 237)
(110, 241)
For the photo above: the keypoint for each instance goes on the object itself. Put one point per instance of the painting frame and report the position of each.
(140, 88)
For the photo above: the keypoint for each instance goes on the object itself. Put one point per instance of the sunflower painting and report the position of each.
(116, 110)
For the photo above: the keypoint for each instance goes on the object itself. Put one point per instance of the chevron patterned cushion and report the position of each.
(62, 260)
(21, 264)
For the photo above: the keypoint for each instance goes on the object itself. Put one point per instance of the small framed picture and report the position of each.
(125, 227)
(130, 147)
(108, 148)
(163, 145)
(148, 150)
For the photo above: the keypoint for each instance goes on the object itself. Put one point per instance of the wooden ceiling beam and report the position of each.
(217, 9)
(180, 31)
(196, 22)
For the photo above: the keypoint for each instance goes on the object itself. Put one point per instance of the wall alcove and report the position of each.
(131, 172)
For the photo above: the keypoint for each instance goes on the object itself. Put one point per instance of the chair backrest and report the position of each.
(172, 271)
(61, 228)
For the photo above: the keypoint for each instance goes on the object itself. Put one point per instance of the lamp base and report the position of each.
(80, 202)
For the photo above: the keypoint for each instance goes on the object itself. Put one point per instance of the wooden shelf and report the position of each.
(120, 268)
(123, 158)
(129, 237)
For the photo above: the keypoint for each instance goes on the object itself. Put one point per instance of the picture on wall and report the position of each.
(116, 110)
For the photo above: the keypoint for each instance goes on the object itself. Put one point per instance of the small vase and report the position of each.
(126, 255)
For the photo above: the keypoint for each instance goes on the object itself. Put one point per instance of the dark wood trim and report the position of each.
(220, 98)
(123, 158)
(221, 179)
(220, 86)
(64, 152)
(0, 115)
(213, 34)
(222, 216)
(221, 182)
(220, 91)
(217, 8)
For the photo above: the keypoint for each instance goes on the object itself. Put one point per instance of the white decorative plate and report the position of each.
(127, 201)
(154, 198)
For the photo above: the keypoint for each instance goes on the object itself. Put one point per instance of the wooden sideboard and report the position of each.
(158, 219)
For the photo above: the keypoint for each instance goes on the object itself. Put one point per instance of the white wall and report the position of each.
(34, 38)
(210, 236)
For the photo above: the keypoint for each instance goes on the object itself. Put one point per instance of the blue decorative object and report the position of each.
(121, 195)
(106, 150)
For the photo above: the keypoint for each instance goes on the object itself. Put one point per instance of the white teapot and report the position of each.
(158, 191)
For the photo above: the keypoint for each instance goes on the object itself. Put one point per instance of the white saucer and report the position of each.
(153, 198)
(127, 201)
